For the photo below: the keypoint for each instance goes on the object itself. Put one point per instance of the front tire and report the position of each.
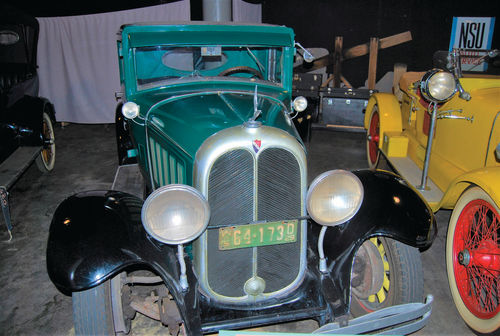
(473, 262)
(385, 273)
(99, 310)
(92, 312)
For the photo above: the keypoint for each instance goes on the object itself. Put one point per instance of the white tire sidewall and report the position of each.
(478, 324)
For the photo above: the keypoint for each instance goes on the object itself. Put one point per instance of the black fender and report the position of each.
(24, 119)
(390, 208)
(95, 235)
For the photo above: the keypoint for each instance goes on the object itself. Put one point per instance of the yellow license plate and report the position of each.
(261, 234)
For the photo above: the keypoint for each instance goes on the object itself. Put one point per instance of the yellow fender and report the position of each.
(487, 179)
(389, 111)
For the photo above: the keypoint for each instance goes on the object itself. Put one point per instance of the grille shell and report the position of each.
(245, 184)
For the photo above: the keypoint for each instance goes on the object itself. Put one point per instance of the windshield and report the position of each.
(166, 65)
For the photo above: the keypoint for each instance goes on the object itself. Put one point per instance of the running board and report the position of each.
(406, 168)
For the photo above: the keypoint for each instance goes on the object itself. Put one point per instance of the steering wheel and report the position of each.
(242, 68)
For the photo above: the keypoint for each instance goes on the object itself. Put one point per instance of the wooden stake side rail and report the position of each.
(370, 48)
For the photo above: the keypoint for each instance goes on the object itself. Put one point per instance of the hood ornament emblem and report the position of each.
(252, 122)
(256, 111)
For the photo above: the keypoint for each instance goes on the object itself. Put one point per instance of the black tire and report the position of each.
(102, 310)
(92, 311)
(385, 273)
(47, 158)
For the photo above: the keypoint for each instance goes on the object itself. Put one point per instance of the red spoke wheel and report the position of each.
(373, 138)
(473, 260)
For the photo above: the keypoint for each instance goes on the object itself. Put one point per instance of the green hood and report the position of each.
(188, 120)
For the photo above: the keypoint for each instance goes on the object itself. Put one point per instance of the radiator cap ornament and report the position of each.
(255, 286)
(252, 124)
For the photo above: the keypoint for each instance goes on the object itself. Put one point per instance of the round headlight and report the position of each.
(438, 85)
(334, 197)
(175, 214)
(130, 110)
(300, 104)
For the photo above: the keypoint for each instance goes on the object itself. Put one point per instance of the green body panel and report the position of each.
(237, 35)
(220, 34)
(182, 122)
(177, 115)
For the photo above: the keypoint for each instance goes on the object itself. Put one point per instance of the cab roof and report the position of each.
(205, 33)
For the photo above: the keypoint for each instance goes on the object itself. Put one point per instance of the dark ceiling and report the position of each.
(67, 8)
(318, 22)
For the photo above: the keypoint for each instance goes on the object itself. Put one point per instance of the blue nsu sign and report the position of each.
(472, 35)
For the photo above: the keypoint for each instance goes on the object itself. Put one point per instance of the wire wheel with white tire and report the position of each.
(385, 273)
(473, 260)
(47, 158)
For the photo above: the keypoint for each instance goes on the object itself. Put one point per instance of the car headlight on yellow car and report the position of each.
(175, 214)
(334, 197)
(438, 85)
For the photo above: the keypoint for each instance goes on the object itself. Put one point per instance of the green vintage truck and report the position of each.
(230, 235)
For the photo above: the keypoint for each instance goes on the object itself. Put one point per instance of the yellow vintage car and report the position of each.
(441, 132)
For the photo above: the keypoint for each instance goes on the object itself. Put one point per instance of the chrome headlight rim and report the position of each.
(300, 104)
(438, 86)
(130, 110)
(321, 179)
(153, 197)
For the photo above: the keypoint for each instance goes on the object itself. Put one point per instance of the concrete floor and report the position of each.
(86, 159)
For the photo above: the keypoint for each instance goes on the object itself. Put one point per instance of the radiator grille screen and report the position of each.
(230, 195)
(233, 200)
(278, 198)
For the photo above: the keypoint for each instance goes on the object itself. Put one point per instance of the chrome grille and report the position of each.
(279, 197)
(230, 188)
(239, 194)
(230, 195)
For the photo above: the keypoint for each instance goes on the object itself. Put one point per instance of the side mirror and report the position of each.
(306, 54)
(497, 152)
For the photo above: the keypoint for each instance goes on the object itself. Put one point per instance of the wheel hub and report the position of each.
(373, 138)
(486, 258)
(368, 271)
(464, 258)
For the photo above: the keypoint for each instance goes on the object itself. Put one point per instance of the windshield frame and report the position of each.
(271, 59)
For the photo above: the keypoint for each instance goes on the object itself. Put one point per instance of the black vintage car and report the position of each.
(26, 120)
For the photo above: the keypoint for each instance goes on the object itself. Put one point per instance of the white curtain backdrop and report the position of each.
(78, 64)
